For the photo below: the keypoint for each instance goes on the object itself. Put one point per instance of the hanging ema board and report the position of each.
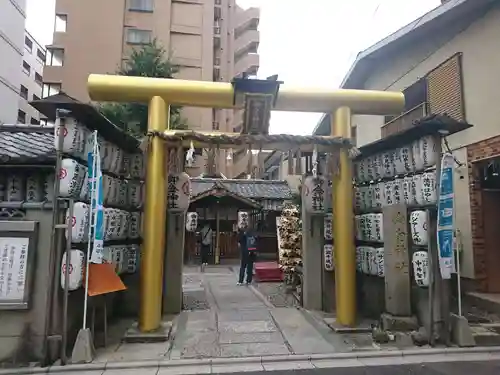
(17, 246)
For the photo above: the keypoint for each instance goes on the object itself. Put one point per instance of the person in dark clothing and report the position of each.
(247, 242)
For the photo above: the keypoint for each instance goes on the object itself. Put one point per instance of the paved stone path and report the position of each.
(241, 323)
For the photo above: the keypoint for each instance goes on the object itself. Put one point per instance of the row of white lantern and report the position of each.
(370, 261)
(117, 225)
(369, 227)
(417, 190)
(416, 157)
(124, 258)
(78, 141)
(192, 220)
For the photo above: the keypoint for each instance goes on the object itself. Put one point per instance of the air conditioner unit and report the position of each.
(217, 30)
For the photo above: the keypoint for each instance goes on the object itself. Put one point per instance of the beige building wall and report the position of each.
(480, 61)
(208, 39)
(31, 80)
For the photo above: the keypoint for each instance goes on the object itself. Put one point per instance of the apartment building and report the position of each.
(211, 40)
(12, 20)
(446, 62)
(31, 80)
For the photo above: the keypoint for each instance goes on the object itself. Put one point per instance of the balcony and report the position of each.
(247, 64)
(247, 18)
(247, 42)
(405, 121)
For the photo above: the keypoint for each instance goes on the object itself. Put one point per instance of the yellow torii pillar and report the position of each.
(160, 93)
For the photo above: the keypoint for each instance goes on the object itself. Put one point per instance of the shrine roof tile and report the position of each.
(21, 144)
(253, 189)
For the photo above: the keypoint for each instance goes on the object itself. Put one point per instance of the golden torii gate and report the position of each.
(161, 93)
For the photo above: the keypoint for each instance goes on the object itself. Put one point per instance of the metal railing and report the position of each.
(405, 121)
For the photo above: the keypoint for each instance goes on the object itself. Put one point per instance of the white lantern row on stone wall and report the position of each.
(420, 261)
(415, 157)
(314, 194)
(414, 190)
(328, 257)
(178, 192)
(125, 259)
(369, 227)
(243, 219)
(191, 221)
(370, 261)
(328, 227)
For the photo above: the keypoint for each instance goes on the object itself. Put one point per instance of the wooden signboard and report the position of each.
(397, 260)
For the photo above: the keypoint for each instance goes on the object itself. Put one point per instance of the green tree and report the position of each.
(150, 60)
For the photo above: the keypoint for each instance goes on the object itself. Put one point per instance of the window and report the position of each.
(26, 68)
(21, 117)
(35, 97)
(136, 36)
(28, 44)
(55, 57)
(38, 79)
(41, 55)
(34, 121)
(24, 92)
(61, 21)
(50, 89)
(141, 5)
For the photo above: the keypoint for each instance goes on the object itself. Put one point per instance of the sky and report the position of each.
(307, 43)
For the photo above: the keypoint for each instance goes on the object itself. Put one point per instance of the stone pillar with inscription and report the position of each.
(397, 260)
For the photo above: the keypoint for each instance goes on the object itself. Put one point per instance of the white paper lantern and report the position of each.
(371, 255)
(328, 257)
(388, 167)
(79, 223)
(406, 189)
(429, 194)
(137, 165)
(399, 164)
(243, 219)
(389, 193)
(378, 195)
(419, 227)
(428, 151)
(178, 192)
(370, 170)
(314, 194)
(397, 189)
(123, 225)
(71, 178)
(379, 254)
(74, 136)
(191, 221)
(362, 172)
(365, 197)
(378, 227)
(76, 269)
(369, 232)
(417, 161)
(407, 158)
(366, 257)
(358, 227)
(416, 189)
(377, 167)
(359, 261)
(133, 258)
(358, 199)
(134, 225)
(328, 227)
(134, 193)
(420, 261)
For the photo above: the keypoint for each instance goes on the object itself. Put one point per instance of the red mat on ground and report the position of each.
(268, 271)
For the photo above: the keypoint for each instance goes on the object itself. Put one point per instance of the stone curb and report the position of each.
(233, 362)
